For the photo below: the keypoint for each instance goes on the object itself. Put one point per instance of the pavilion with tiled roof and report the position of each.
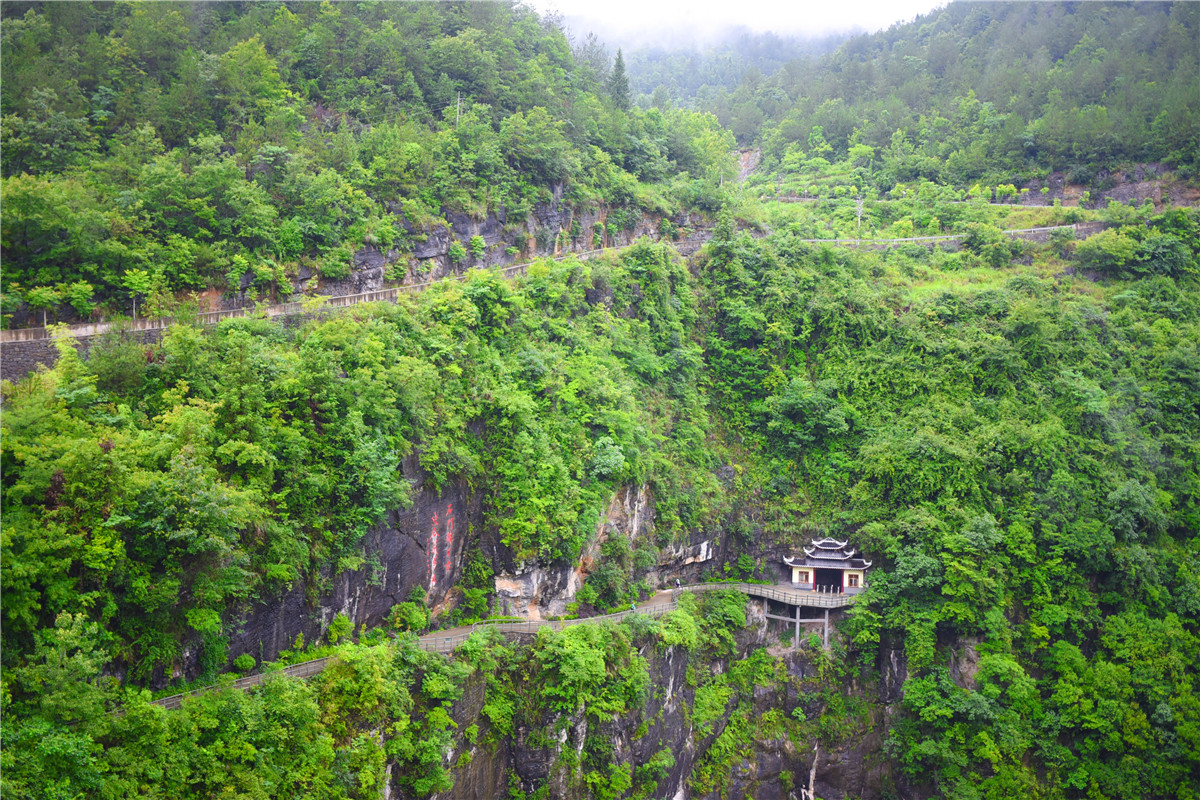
(829, 566)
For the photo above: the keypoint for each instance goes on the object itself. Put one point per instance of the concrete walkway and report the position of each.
(660, 603)
(445, 641)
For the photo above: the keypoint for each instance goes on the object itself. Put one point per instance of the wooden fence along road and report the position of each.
(449, 641)
(393, 294)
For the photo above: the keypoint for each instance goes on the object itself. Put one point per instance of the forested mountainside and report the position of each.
(1015, 446)
(980, 91)
(152, 149)
(1008, 429)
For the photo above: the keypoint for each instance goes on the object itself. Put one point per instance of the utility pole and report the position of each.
(458, 111)
(858, 203)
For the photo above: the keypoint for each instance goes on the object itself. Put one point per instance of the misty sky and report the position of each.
(629, 22)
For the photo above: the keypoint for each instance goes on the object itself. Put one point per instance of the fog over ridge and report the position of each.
(678, 24)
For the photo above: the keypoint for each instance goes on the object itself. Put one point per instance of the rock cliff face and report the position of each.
(552, 228)
(425, 546)
(1133, 186)
(538, 591)
(543, 752)
(422, 546)
(426, 259)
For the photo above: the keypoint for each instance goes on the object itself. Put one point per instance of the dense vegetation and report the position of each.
(975, 91)
(151, 149)
(386, 702)
(1020, 449)
(1012, 432)
(152, 488)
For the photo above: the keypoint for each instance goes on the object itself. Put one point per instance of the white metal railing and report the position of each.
(816, 198)
(444, 644)
(788, 594)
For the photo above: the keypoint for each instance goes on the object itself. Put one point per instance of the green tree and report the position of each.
(1109, 251)
(250, 82)
(46, 139)
(79, 295)
(1161, 254)
(137, 281)
(470, 62)
(478, 246)
(806, 413)
(534, 144)
(43, 298)
(618, 83)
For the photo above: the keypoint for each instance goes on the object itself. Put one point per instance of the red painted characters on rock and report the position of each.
(448, 564)
(433, 548)
(435, 539)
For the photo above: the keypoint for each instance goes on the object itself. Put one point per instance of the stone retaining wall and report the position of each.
(18, 359)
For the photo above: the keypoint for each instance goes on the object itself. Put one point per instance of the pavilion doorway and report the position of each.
(828, 580)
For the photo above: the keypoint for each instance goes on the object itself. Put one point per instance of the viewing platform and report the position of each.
(792, 594)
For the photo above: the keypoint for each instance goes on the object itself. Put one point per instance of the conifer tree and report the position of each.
(618, 84)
